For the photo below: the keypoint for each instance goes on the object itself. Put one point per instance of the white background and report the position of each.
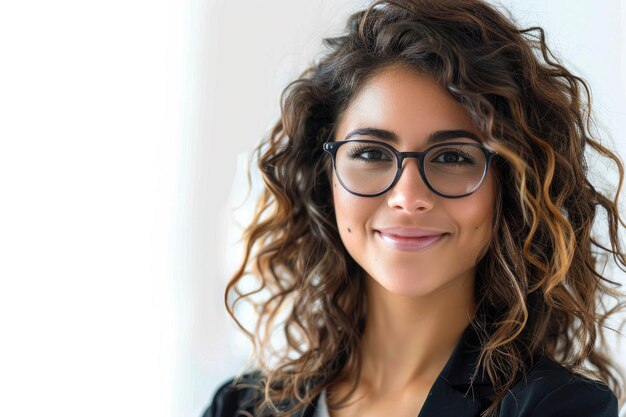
(123, 130)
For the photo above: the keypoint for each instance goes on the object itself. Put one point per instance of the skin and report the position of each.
(419, 303)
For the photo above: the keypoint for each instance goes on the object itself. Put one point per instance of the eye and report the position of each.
(453, 157)
(370, 153)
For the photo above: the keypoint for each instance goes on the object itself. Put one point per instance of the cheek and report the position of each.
(346, 211)
(352, 214)
(475, 217)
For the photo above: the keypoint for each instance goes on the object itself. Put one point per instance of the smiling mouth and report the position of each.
(409, 244)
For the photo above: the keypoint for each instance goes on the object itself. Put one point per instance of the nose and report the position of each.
(411, 193)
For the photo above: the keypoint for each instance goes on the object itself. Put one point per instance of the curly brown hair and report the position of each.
(546, 293)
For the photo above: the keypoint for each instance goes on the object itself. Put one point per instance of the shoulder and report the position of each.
(235, 397)
(549, 389)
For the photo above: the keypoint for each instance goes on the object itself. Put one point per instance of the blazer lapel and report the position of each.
(453, 393)
(443, 400)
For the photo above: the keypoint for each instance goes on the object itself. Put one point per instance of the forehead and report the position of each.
(410, 104)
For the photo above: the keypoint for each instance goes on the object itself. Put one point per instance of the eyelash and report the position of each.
(468, 159)
(360, 149)
(354, 154)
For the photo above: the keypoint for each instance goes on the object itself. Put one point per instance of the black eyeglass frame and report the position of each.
(332, 147)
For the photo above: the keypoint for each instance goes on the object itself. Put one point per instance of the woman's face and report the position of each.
(412, 106)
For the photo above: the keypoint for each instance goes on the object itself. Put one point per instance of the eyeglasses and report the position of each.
(369, 168)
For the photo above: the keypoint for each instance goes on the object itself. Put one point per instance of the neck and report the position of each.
(407, 341)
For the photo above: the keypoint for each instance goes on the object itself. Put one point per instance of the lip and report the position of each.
(410, 231)
(409, 243)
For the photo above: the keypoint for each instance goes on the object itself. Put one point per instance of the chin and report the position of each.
(412, 286)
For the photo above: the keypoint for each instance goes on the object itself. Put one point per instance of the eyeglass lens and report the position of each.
(367, 168)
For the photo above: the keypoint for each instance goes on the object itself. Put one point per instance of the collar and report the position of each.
(460, 369)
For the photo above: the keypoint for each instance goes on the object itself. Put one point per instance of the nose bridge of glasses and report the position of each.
(407, 156)
(415, 158)
(411, 188)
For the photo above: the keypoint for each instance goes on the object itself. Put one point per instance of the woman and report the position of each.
(425, 229)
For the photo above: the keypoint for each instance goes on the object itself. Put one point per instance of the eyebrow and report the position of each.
(389, 136)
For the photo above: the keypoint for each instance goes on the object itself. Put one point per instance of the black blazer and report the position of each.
(549, 390)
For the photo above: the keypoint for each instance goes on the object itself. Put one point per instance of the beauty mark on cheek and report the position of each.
(349, 231)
